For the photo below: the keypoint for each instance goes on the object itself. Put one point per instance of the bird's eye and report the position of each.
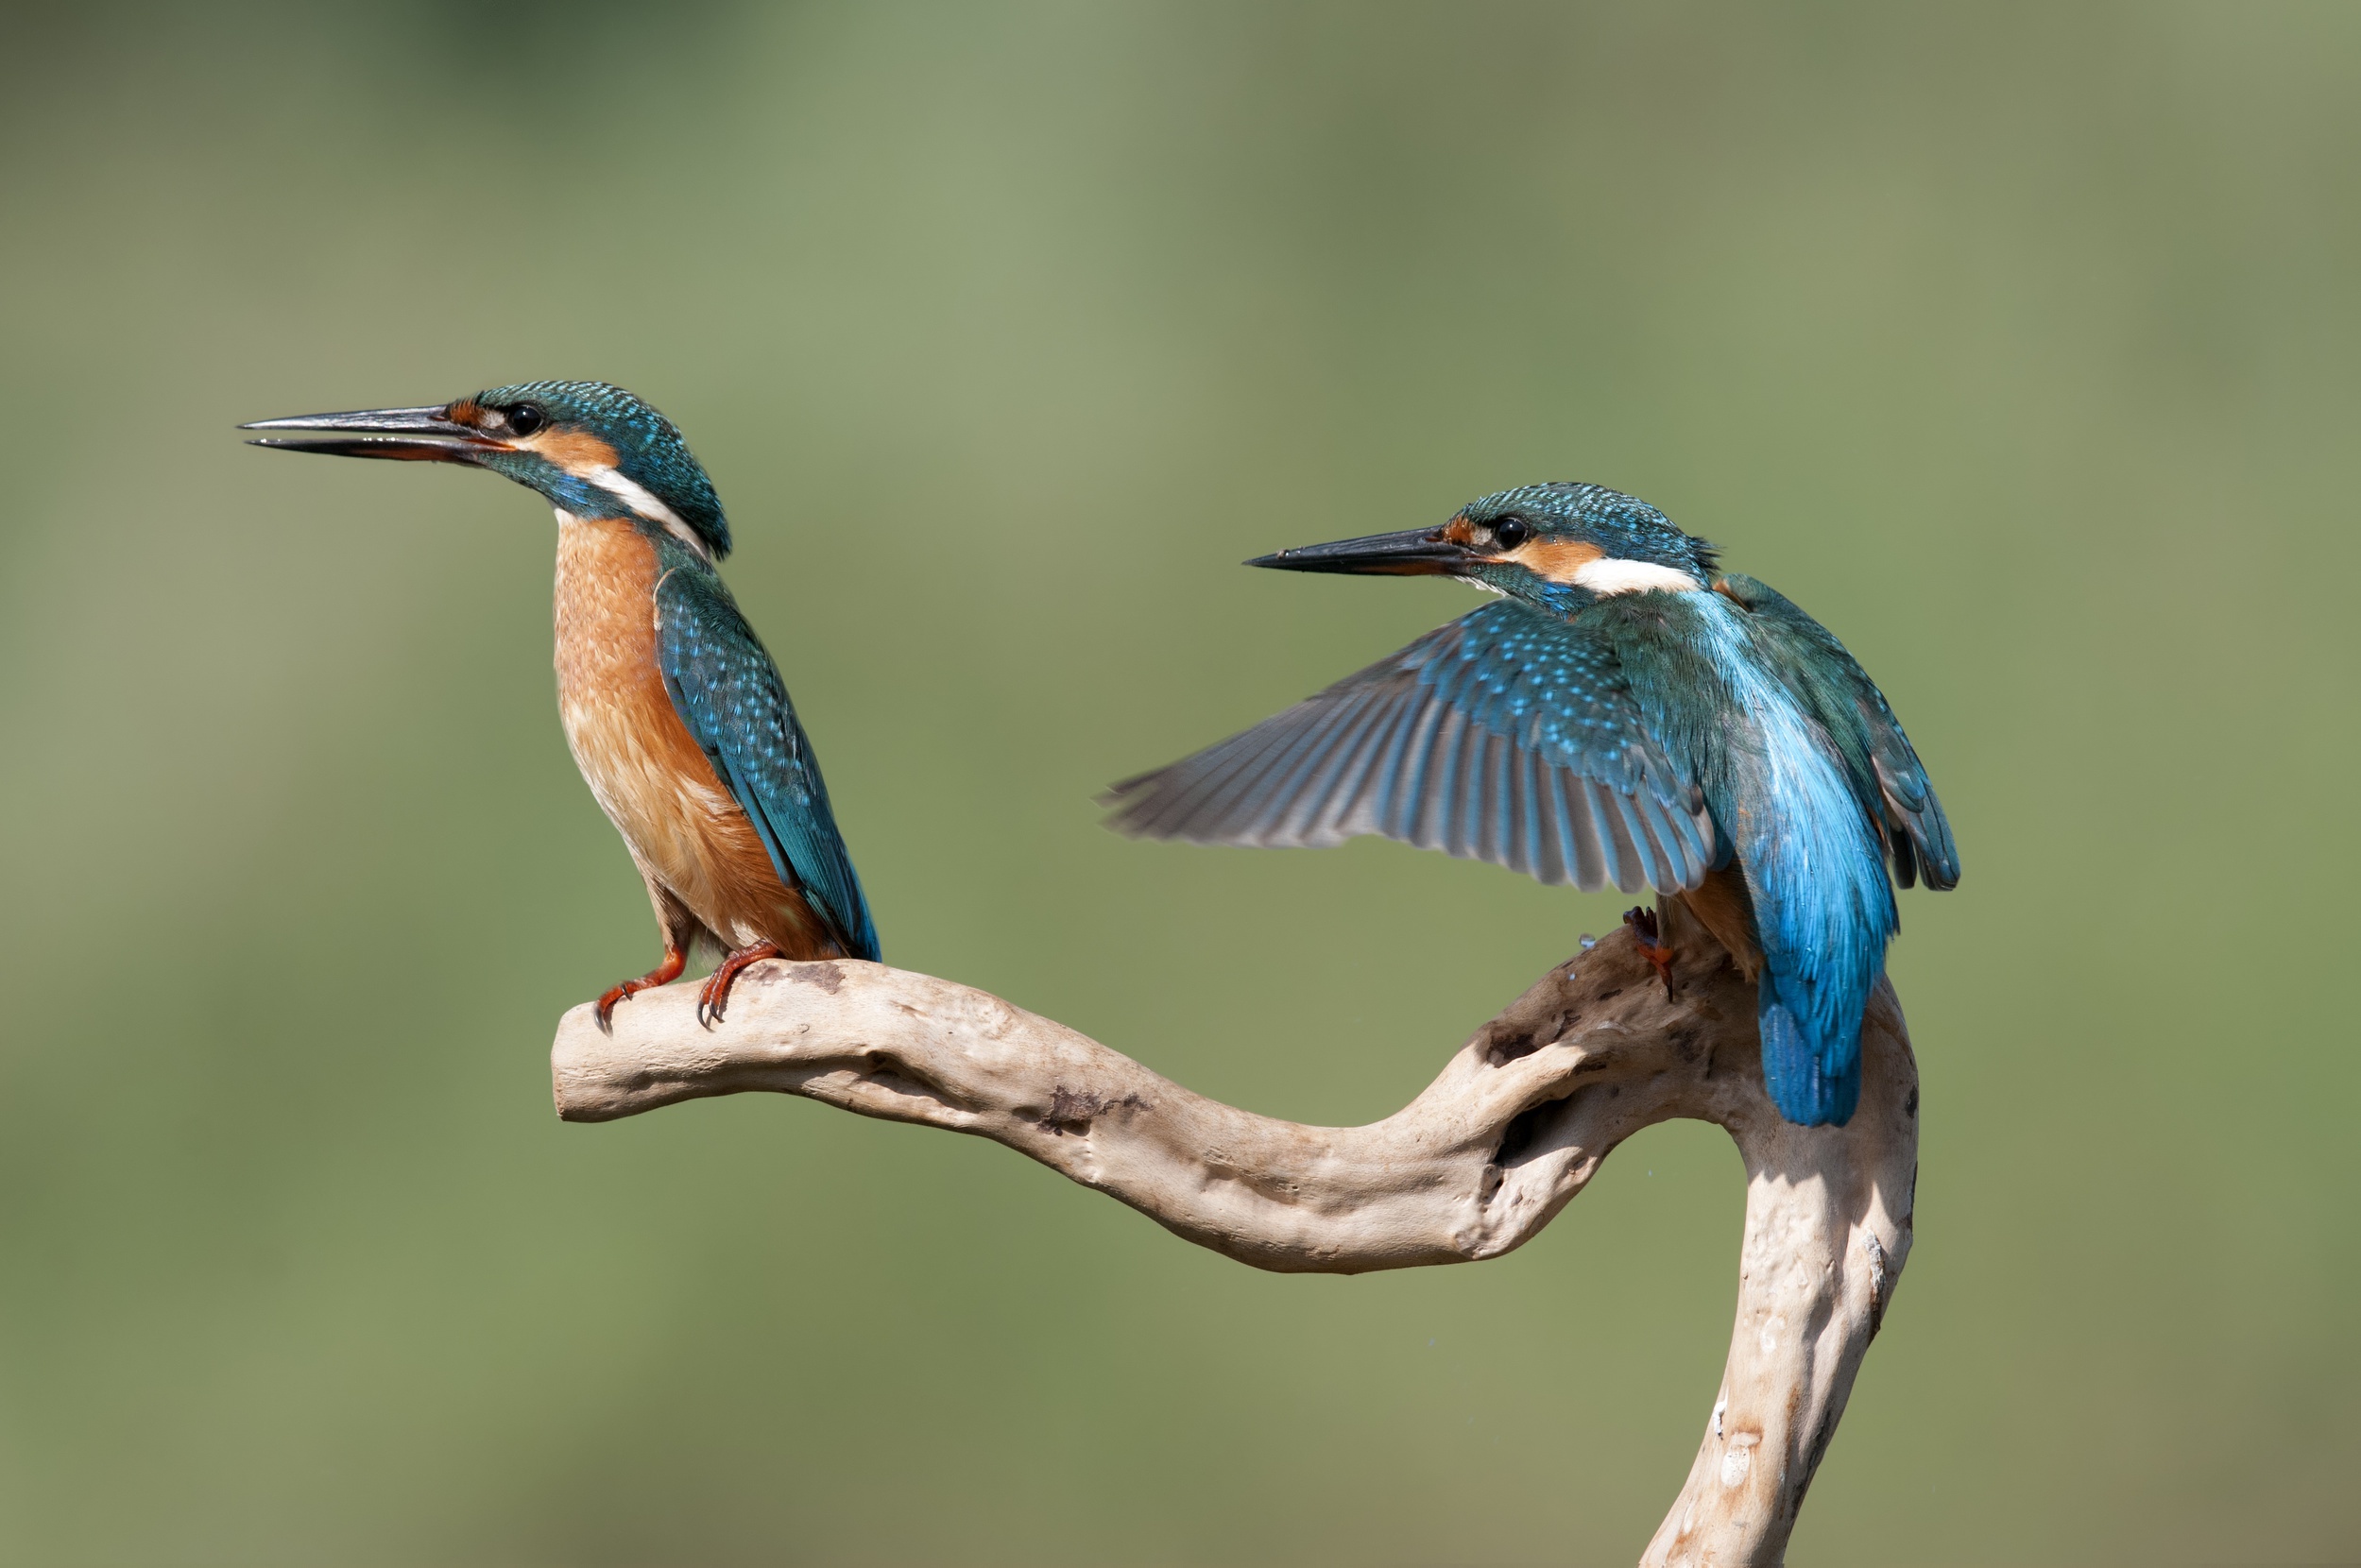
(525, 419)
(1510, 532)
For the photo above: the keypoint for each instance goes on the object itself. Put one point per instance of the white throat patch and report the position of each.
(1609, 575)
(643, 501)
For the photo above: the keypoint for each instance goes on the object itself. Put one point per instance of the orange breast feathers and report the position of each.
(1722, 906)
(684, 830)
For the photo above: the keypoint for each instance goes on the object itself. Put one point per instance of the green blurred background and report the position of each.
(2019, 344)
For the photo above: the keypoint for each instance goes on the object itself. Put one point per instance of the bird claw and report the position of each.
(663, 974)
(1648, 934)
(713, 997)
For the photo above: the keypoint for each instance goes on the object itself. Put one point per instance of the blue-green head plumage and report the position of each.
(591, 448)
(1538, 543)
(554, 424)
(1562, 546)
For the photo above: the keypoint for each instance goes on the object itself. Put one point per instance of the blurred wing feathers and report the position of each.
(1507, 736)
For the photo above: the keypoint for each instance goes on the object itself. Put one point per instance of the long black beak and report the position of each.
(404, 434)
(1415, 553)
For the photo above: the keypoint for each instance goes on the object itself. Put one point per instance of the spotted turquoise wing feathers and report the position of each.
(1507, 736)
(1631, 715)
(729, 693)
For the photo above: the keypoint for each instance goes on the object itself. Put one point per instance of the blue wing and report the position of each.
(1885, 773)
(1508, 736)
(729, 693)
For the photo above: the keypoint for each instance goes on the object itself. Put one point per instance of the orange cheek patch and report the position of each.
(575, 451)
(1556, 560)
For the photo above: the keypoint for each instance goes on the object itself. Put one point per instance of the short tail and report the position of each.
(1814, 1074)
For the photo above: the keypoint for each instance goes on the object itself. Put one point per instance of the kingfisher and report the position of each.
(673, 708)
(1628, 713)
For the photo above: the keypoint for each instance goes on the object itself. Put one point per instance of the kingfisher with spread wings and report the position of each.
(675, 712)
(1628, 714)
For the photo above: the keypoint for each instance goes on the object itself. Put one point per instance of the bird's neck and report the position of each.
(606, 602)
(1562, 598)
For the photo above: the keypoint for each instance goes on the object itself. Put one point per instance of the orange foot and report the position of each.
(1658, 953)
(714, 994)
(663, 974)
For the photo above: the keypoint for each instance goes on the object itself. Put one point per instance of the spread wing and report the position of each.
(729, 693)
(1507, 736)
(1886, 770)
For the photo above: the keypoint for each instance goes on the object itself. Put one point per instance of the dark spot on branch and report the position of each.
(1909, 1106)
(1509, 1044)
(1071, 1111)
(1524, 1130)
(825, 976)
(1819, 1451)
(1682, 1039)
(903, 1084)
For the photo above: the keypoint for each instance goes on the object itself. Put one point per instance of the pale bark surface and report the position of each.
(1516, 1123)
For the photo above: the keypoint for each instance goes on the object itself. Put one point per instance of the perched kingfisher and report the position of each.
(1630, 714)
(674, 710)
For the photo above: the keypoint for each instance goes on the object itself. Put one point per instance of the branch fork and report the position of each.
(1514, 1127)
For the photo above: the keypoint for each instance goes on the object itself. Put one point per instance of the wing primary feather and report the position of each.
(1438, 781)
(1582, 825)
(1482, 830)
(1623, 823)
(1433, 760)
(1235, 802)
(1204, 788)
(1540, 823)
(1310, 793)
(1489, 835)
(1663, 846)
(1525, 820)
(1354, 806)
(1294, 794)
(1464, 792)
(1563, 827)
(1680, 866)
(1398, 771)
(1211, 794)
(1622, 856)
(1241, 806)
(1503, 768)
(1636, 826)
(1506, 766)
(1509, 736)
(1407, 809)
(1905, 858)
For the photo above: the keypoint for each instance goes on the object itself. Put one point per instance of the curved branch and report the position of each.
(1515, 1125)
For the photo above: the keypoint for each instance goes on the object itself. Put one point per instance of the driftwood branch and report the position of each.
(1519, 1119)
